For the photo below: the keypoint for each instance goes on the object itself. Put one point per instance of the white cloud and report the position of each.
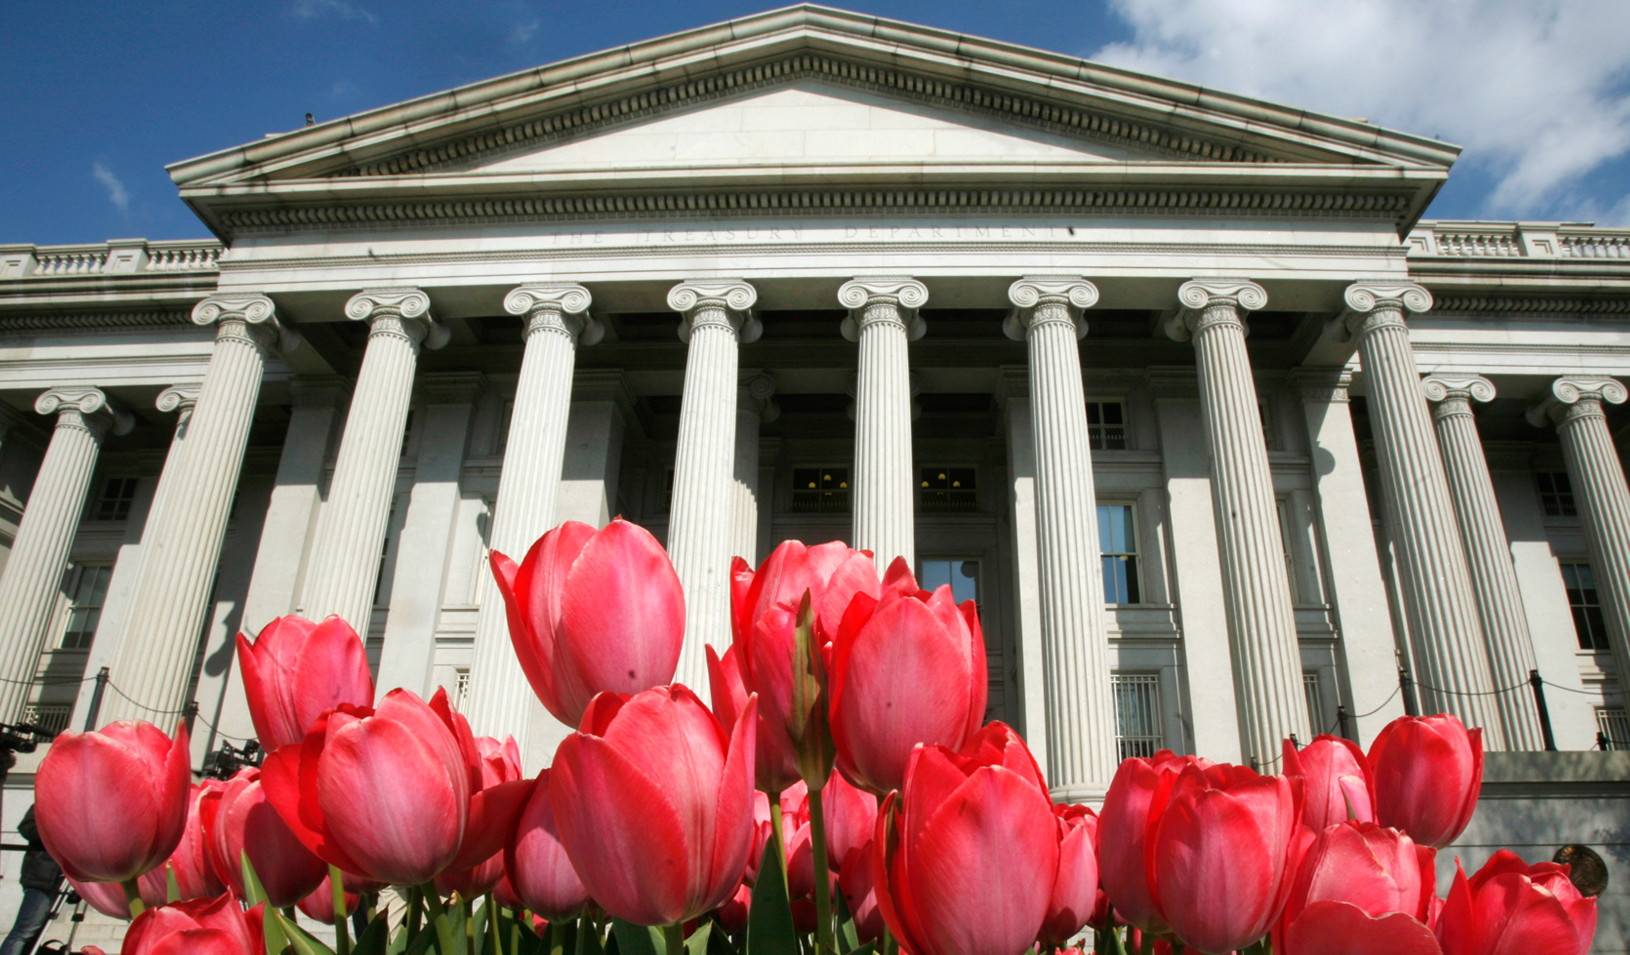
(317, 9)
(117, 194)
(522, 32)
(1534, 89)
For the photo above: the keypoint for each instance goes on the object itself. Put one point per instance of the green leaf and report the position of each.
(480, 921)
(769, 925)
(300, 940)
(172, 892)
(271, 924)
(422, 943)
(636, 939)
(374, 940)
(848, 935)
(697, 943)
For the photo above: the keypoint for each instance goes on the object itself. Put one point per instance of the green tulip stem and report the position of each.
(823, 880)
(890, 946)
(1148, 946)
(493, 925)
(585, 925)
(775, 835)
(415, 910)
(674, 935)
(342, 938)
(133, 898)
(438, 917)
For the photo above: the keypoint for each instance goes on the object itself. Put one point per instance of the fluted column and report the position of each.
(1488, 551)
(33, 574)
(351, 526)
(181, 545)
(883, 318)
(180, 400)
(1080, 712)
(717, 314)
(1599, 491)
(1431, 560)
(755, 405)
(557, 321)
(1256, 586)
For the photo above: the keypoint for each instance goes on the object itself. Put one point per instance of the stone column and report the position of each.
(1488, 551)
(33, 574)
(557, 321)
(883, 318)
(755, 405)
(351, 526)
(1575, 406)
(1014, 390)
(717, 315)
(1266, 656)
(1439, 602)
(181, 400)
(181, 548)
(1080, 711)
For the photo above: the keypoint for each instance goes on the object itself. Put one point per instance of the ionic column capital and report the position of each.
(178, 398)
(888, 299)
(726, 303)
(1452, 394)
(84, 408)
(1577, 396)
(246, 317)
(756, 396)
(1372, 305)
(1038, 300)
(398, 312)
(560, 308)
(1208, 302)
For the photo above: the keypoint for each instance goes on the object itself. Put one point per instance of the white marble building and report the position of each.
(1177, 384)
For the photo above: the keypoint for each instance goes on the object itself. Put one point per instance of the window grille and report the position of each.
(86, 587)
(1106, 425)
(1315, 703)
(461, 687)
(114, 499)
(1555, 493)
(1137, 714)
(1118, 545)
(948, 490)
(1588, 623)
(51, 717)
(820, 490)
(1614, 726)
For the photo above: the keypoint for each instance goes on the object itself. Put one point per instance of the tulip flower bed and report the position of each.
(840, 796)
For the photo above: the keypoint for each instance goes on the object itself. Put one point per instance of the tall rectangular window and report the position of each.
(820, 490)
(114, 498)
(1614, 726)
(1118, 543)
(1137, 714)
(1555, 493)
(1586, 604)
(1106, 425)
(86, 587)
(948, 490)
(1315, 702)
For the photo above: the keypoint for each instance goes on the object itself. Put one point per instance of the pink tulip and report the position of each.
(860, 892)
(1219, 846)
(763, 829)
(195, 877)
(776, 761)
(906, 669)
(1428, 773)
(1340, 928)
(1512, 908)
(1123, 834)
(500, 766)
(112, 804)
(296, 669)
(238, 821)
(319, 905)
(850, 814)
(1075, 887)
(391, 794)
(1375, 869)
(653, 802)
(1336, 781)
(195, 927)
(966, 853)
(591, 611)
(540, 874)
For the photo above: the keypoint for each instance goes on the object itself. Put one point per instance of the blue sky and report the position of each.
(101, 95)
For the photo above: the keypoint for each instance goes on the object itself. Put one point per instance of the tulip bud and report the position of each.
(1075, 887)
(1512, 907)
(1336, 781)
(1378, 870)
(1428, 774)
(540, 874)
(196, 927)
(239, 821)
(1123, 829)
(295, 669)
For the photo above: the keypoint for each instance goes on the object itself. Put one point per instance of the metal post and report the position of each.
(1544, 711)
(1412, 706)
(190, 713)
(95, 709)
(1601, 741)
(1343, 721)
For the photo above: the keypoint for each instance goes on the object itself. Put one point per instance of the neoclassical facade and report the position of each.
(1227, 443)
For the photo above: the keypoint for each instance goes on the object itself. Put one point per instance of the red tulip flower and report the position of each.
(908, 668)
(391, 794)
(1375, 869)
(966, 853)
(540, 874)
(653, 801)
(1075, 888)
(1340, 928)
(196, 927)
(1428, 773)
(500, 765)
(237, 821)
(1219, 846)
(860, 892)
(590, 611)
(776, 762)
(295, 669)
(1512, 908)
(112, 804)
(195, 877)
(1336, 781)
(319, 905)
(1123, 834)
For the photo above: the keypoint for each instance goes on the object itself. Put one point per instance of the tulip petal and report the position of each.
(493, 812)
(732, 813)
(1336, 928)
(622, 614)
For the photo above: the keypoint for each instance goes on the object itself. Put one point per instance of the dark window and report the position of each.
(1586, 605)
(114, 500)
(1106, 425)
(1137, 714)
(86, 587)
(1555, 493)
(820, 490)
(948, 490)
